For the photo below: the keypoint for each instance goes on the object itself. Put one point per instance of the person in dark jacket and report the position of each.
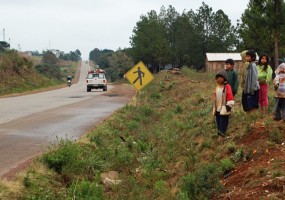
(250, 95)
(232, 75)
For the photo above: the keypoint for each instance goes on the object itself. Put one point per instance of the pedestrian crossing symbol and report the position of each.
(139, 76)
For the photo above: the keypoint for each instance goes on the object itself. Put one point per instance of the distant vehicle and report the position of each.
(96, 80)
(68, 83)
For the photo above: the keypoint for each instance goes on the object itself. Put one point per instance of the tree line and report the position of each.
(50, 65)
(169, 37)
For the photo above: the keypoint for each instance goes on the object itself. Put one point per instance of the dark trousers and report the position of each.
(279, 108)
(222, 123)
(250, 101)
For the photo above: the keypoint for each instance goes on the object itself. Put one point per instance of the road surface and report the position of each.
(28, 124)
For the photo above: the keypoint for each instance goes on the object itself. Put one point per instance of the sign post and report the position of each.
(139, 76)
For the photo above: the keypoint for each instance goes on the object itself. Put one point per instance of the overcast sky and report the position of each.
(68, 25)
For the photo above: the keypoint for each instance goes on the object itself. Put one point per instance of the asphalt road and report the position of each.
(28, 124)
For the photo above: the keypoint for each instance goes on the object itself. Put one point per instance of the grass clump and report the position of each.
(202, 184)
(275, 136)
(227, 166)
(86, 190)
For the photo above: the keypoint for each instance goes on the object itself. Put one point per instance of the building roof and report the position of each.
(223, 56)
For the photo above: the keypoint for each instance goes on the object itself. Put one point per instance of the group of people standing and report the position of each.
(255, 86)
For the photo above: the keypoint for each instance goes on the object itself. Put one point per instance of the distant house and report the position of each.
(216, 61)
(56, 52)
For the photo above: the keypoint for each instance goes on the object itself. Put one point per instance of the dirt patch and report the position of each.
(261, 175)
(122, 90)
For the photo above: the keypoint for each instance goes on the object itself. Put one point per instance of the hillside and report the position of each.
(18, 73)
(163, 145)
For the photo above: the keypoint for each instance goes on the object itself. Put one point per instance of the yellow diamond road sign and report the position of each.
(139, 76)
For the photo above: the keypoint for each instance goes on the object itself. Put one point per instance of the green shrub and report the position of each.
(75, 159)
(27, 181)
(202, 184)
(50, 70)
(238, 155)
(61, 155)
(227, 165)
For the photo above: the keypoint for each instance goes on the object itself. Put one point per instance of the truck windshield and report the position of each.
(101, 76)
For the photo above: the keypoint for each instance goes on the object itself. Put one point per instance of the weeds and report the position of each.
(178, 109)
(155, 95)
(63, 153)
(86, 190)
(277, 173)
(202, 184)
(27, 181)
(238, 155)
(227, 166)
(161, 189)
(275, 136)
(231, 147)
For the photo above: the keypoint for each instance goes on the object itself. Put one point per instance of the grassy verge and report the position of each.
(163, 146)
(18, 73)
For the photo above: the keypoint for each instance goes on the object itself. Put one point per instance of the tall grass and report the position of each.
(18, 73)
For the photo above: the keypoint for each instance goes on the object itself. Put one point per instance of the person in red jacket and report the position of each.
(223, 103)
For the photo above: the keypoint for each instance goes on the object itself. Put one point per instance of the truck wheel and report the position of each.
(105, 88)
(88, 89)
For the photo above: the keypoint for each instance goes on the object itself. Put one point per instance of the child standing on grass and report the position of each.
(232, 75)
(223, 103)
(264, 76)
(250, 93)
(279, 86)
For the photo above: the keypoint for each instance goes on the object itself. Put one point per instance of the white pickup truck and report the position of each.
(96, 80)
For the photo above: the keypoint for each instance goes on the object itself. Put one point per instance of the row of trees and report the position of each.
(184, 39)
(49, 66)
(50, 63)
(116, 64)
(169, 37)
(72, 55)
(263, 27)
